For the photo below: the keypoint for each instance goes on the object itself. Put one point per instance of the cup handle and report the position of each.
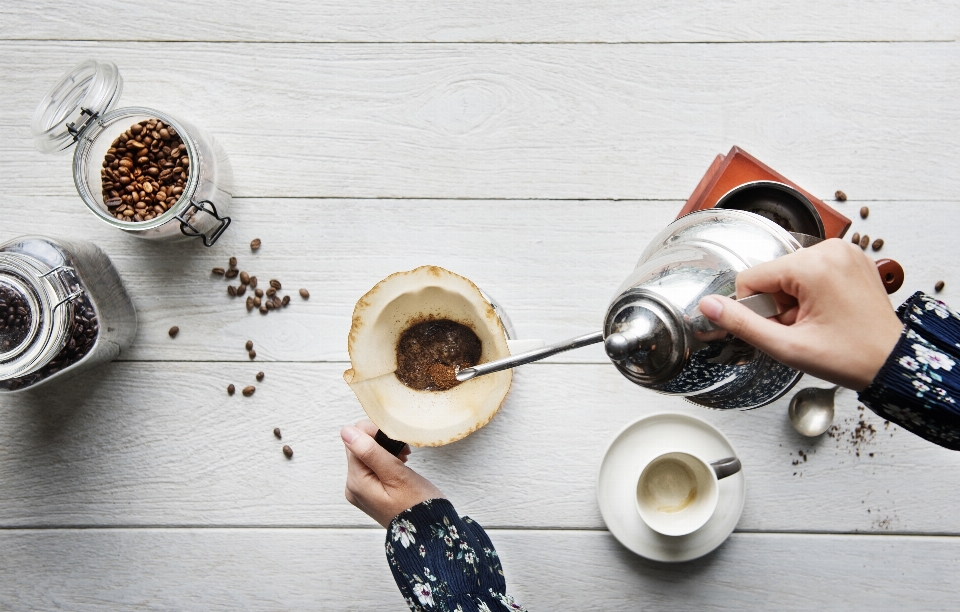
(395, 447)
(726, 467)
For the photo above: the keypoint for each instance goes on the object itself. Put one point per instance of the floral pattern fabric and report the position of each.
(445, 563)
(919, 385)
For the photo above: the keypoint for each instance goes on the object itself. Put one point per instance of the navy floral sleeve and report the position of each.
(445, 563)
(918, 386)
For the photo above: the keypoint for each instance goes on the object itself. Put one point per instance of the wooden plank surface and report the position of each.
(151, 443)
(553, 265)
(345, 570)
(524, 121)
(483, 20)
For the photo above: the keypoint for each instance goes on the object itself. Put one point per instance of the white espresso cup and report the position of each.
(677, 492)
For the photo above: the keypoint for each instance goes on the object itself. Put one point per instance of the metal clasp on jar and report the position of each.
(212, 211)
(68, 276)
(77, 130)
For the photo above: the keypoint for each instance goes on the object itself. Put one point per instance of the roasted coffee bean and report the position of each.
(231, 389)
(136, 156)
(218, 271)
(938, 287)
(258, 292)
(233, 262)
(276, 432)
(256, 302)
(864, 211)
(249, 390)
(275, 284)
(231, 273)
(855, 239)
(305, 294)
(264, 310)
(878, 244)
(255, 244)
(241, 289)
(285, 300)
(259, 376)
(249, 345)
(864, 241)
(277, 303)
(173, 331)
(252, 354)
(244, 278)
(232, 291)
(288, 451)
(253, 281)
(271, 292)
(840, 196)
(249, 302)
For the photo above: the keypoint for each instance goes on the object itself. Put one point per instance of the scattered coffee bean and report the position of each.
(231, 389)
(259, 376)
(258, 292)
(253, 282)
(276, 432)
(249, 345)
(174, 331)
(233, 262)
(241, 289)
(305, 294)
(271, 292)
(255, 244)
(840, 196)
(855, 239)
(878, 244)
(256, 302)
(144, 172)
(864, 241)
(287, 451)
(249, 302)
(218, 271)
(252, 354)
(231, 273)
(938, 287)
(285, 301)
(864, 211)
(264, 310)
(275, 284)
(232, 291)
(249, 390)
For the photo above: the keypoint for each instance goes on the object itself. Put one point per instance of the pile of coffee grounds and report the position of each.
(15, 318)
(430, 353)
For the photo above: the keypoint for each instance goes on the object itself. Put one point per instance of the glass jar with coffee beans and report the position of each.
(63, 311)
(140, 170)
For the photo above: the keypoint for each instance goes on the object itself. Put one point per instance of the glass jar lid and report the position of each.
(36, 329)
(84, 92)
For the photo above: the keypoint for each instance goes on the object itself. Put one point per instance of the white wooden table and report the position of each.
(534, 147)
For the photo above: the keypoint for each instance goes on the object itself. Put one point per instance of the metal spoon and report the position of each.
(811, 410)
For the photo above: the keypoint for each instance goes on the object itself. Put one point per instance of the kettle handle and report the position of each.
(891, 274)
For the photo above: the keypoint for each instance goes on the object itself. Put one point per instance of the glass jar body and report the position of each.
(210, 177)
(101, 320)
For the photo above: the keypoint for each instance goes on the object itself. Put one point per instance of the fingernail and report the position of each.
(349, 434)
(711, 307)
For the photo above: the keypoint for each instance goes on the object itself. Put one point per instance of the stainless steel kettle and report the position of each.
(653, 329)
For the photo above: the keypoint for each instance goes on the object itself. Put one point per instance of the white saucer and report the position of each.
(637, 443)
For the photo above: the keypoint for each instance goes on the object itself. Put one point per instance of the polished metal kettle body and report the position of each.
(655, 334)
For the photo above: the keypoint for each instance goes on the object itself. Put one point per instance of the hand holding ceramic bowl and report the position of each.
(423, 417)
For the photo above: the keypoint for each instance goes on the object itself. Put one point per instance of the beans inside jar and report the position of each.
(144, 171)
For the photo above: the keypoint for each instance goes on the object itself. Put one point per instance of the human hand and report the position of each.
(377, 482)
(838, 324)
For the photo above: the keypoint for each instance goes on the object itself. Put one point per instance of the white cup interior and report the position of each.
(677, 493)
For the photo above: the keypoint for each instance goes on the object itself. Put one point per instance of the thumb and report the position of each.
(743, 323)
(365, 448)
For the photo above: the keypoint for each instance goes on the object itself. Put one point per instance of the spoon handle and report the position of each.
(535, 355)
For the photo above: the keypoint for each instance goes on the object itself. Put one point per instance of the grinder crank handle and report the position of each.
(394, 447)
(891, 274)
